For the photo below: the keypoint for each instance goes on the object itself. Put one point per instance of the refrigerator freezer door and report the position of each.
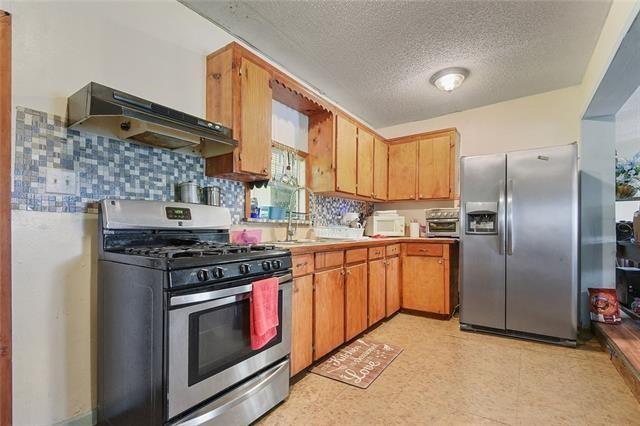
(541, 238)
(482, 287)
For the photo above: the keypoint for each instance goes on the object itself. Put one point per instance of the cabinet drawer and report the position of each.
(393, 249)
(355, 255)
(376, 252)
(302, 264)
(329, 259)
(417, 249)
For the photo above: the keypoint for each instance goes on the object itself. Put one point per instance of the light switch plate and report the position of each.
(60, 181)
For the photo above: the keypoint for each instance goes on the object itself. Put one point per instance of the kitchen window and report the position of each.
(270, 202)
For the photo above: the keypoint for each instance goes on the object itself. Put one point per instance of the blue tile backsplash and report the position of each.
(328, 210)
(112, 168)
(104, 167)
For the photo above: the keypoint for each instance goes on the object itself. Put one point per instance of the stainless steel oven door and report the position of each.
(210, 344)
(443, 228)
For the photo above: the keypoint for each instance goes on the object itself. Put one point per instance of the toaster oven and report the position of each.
(443, 222)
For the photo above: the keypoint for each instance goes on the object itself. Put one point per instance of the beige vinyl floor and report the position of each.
(448, 377)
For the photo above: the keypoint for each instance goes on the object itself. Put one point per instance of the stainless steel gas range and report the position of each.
(173, 307)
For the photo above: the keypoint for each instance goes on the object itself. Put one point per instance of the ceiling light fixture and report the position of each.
(449, 79)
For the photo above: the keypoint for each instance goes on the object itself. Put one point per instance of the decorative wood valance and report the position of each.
(295, 96)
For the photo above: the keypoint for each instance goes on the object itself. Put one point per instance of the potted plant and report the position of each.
(627, 177)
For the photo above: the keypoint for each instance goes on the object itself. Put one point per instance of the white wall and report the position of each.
(154, 49)
(533, 121)
(54, 316)
(289, 127)
(626, 209)
(539, 120)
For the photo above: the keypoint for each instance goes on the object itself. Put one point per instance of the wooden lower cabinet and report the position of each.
(377, 291)
(328, 304)
(393, 285)
(423, 284)
(356, 300)
(302, 324)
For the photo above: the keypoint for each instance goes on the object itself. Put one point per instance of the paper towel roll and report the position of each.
(414, 229)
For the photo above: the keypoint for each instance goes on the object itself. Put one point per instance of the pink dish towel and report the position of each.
(263, 312)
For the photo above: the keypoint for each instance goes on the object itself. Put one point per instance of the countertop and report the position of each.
(325, 245)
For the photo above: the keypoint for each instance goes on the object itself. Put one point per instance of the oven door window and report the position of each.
(442, 226)
(220, 338)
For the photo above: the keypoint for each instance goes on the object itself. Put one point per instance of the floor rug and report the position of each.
(359, 363)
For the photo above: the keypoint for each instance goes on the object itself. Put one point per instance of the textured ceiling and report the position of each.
(375, 58)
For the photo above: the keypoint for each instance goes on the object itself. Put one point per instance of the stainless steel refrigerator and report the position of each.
(519, 243)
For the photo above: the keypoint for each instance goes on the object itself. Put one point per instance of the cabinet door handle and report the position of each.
(300, 265)
(440, 261)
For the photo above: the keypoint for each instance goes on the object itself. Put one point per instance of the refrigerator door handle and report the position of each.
(510, 217)
(500, 220)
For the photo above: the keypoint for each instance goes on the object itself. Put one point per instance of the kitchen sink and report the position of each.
(315, 241)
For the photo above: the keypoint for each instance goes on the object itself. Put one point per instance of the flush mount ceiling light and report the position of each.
(449, 79)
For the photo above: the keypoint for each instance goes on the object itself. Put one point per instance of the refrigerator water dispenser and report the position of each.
(482, 218)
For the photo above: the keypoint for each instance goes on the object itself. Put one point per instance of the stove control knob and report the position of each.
(266, 265)
(218, 272)
(245, 268)
(276, 264)
(203, 275)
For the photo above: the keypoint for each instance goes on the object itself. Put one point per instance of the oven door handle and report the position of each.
(188, 299)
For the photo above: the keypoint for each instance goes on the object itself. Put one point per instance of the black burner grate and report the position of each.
(198, 249)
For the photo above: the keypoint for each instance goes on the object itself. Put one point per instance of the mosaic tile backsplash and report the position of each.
(112, 168)
(104, 167)
(328, 210)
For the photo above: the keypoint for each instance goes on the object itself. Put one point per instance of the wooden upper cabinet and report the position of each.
(402, 170)
(434, 164)
(380, 169)
(346, 143)
(255, 119)
(424, 166)
(239, 96)
(365, 163)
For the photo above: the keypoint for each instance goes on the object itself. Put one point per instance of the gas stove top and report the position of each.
(188, 241)
(199, 254)
(197, 249)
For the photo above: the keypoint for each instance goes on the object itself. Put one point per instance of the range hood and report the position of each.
(105, 111)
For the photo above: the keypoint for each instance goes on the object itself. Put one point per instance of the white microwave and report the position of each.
(387, 225)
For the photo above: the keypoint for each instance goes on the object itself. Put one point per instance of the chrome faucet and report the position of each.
(291, 232)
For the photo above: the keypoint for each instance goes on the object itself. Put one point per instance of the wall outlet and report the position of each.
(60, 181)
